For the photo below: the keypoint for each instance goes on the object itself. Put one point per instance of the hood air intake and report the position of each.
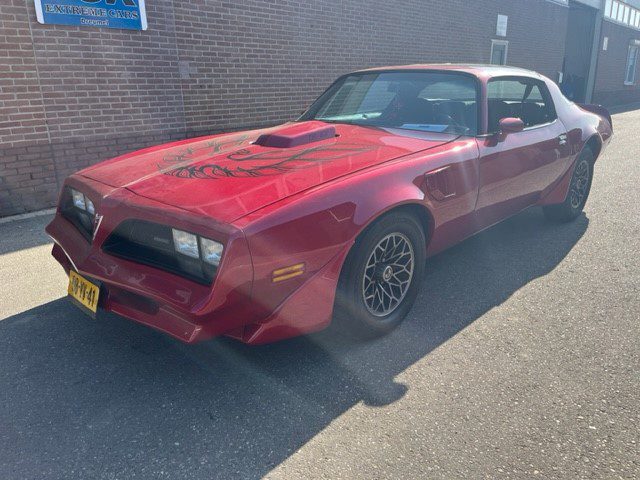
(297, 134)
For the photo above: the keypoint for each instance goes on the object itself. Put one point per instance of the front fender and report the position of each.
(312, 228)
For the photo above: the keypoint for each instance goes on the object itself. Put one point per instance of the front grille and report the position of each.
(81, 219)
(152, 244)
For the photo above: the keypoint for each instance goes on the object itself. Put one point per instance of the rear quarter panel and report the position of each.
(581, 124)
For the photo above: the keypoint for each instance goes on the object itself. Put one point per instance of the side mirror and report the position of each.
(511, 125)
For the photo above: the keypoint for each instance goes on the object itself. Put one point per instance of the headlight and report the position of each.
(78, 199)
(185, 243)
(90, 207)
(211, 251)
(78, 209)
(81, 201)
(194, 246)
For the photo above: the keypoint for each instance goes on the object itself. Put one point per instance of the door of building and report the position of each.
(578, 49)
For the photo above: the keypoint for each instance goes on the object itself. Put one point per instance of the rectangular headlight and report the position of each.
(90, 207)
(78, 199)
(211, 251)
(185, 243)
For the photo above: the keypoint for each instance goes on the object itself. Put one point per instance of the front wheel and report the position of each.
(380, 280)
(579, 189)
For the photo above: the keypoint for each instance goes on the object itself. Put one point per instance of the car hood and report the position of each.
(231, 175)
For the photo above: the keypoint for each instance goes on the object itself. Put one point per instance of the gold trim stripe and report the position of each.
(288, 276)
(287, 272)
(282, 271)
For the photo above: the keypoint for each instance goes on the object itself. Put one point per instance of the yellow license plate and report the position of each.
(83, 291)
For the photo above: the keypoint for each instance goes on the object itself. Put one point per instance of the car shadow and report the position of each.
(81, 398)
(24, 233)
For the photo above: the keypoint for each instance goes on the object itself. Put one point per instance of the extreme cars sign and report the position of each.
(129, 14)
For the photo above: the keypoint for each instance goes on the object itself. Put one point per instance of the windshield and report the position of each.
(426, 101)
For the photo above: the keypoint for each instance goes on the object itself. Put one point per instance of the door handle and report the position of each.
(562, 139)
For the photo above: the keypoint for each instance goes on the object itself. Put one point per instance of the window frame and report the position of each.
(632, 46)
(544, 91)
(504, 43)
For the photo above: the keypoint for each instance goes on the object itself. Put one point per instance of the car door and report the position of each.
(515, 168)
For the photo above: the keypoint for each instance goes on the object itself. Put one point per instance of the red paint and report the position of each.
(330, 182)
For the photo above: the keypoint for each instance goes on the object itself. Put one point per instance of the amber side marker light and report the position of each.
(287, 272)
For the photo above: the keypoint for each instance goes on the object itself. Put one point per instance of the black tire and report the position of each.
(579, 189)
(353, 312)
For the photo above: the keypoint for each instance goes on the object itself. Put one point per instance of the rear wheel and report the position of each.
(579, 188)
(381, 276)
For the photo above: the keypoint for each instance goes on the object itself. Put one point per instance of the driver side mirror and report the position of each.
(511, 125)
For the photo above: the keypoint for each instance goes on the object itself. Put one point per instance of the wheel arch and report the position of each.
(559, 193)
(418, 210)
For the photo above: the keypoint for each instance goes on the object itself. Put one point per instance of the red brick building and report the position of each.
(72, 96)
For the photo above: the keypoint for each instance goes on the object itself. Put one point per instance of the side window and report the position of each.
(522, 98)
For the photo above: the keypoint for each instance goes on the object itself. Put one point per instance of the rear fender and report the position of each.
(598, 110)
(559, 192)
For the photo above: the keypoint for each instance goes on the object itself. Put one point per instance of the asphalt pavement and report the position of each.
(520, 359)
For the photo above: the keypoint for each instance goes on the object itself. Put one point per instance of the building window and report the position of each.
(632, 60)
(620, 12)
(499, 50)
(614, 10)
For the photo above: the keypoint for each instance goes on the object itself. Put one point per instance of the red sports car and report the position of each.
(267, 234)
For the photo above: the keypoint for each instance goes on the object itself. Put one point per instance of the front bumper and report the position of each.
(182, 308)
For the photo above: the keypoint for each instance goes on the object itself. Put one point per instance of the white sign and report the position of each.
(501, 27)
(605, 44)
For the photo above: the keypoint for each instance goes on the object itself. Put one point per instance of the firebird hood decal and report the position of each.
(258, 164)
(228, 176)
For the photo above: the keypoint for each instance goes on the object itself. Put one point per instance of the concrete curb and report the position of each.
(22, 216)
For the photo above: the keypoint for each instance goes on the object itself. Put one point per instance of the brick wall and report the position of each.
(72, 96)
(609, 86)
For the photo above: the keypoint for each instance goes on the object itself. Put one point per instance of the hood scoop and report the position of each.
(296, 134)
